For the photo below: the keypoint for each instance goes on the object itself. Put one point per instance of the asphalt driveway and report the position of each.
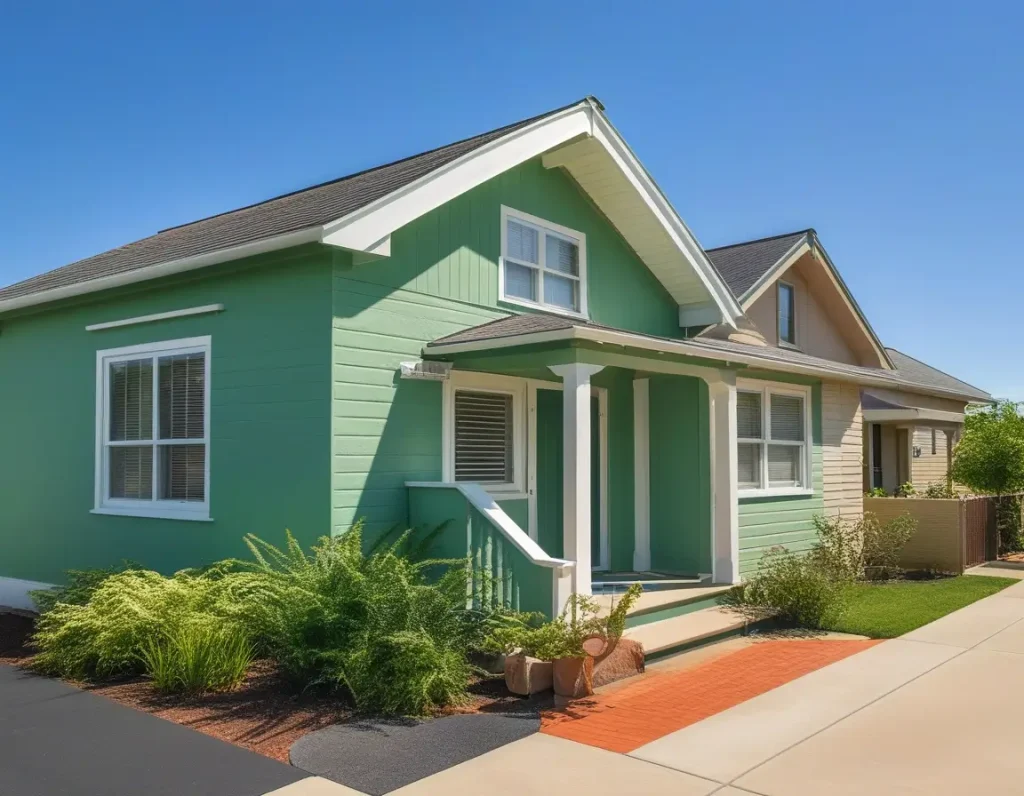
(56, 740)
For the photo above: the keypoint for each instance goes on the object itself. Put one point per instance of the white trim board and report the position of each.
(14, 593)
(157, 316)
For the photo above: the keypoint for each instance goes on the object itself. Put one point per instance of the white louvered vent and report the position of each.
(483, 437)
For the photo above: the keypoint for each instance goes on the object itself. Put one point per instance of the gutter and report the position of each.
(627, 339)
(287, 240)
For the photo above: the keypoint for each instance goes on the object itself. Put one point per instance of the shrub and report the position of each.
(197, 657)
(877, 492)
(79, 588)
(906, 489)
(883, 544)
(794, 587)
(839, 551)
(939, 489)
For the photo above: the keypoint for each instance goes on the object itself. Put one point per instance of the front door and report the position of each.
(548, 487)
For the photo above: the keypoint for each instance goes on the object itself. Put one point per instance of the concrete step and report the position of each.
(686, 631)
(659, 604)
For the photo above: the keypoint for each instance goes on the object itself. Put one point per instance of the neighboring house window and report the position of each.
(153, 430)
(772, 429)
(787, 314)
(485, 431)
(876, 456)
(542, 264)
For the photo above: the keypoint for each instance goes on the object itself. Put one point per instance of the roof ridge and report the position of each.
(372, 169)
(940, 370)
(763, 240)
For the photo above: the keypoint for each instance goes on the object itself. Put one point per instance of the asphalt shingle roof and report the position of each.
(742, 264)
(910, 372)
(310, 207)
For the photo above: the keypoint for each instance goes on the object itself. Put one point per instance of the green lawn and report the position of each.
(892, 609)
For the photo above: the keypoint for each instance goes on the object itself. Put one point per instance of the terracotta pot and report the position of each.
(574, 677)
(525, 675)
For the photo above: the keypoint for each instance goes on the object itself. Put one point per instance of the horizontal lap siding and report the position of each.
(386, 430)
(929, 468)
(786, 521)
(269, 419)
(842, 450)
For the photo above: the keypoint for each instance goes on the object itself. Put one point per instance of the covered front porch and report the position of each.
(614, 466)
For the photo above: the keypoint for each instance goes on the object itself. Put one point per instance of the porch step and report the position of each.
(666, 603)
(684, 632)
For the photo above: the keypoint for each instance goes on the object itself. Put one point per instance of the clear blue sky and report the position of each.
(894, 129)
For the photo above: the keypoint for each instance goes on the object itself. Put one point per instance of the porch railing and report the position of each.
(508, 567)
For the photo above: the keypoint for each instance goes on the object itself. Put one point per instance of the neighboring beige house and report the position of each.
(874, 434)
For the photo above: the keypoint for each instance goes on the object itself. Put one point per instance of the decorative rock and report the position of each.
(525, 675)
(574, 677)
(624, 659)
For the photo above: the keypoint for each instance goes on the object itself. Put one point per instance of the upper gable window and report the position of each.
(787, 314)
(542, 264)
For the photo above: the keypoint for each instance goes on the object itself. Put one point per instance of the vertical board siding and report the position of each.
(269, 419)
(452, 252)
(785, 521)
(842, 450)
(385, 430)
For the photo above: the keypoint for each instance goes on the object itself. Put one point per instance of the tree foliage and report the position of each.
(989, 458)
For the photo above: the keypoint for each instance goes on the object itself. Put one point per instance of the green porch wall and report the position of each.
(786, 521)
(680, 475)
(270, 418)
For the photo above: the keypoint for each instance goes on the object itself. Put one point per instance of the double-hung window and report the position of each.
(542, 264)
(153, 430)
(773, 430)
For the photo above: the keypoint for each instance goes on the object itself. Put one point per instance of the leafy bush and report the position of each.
(839, 551)
(197, 657)
(79, 588)
(794, 587)
(939, 489)
(370, 624)
(906, 489)
(563, 636)
(876, 492)
(883, 544)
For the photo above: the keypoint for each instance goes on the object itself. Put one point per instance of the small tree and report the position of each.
(989, 459)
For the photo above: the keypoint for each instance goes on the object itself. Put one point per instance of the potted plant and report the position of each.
(516, 640)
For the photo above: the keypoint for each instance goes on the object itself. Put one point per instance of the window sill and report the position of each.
(788, 491)
(543, 308)
(790, 346)
(154, 514)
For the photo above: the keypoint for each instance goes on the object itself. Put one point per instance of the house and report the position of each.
(515, 334)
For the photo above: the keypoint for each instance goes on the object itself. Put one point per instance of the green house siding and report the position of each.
(452, 252)
(785, 521)
(270, 415)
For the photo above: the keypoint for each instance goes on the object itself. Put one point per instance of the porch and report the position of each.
(577, 470)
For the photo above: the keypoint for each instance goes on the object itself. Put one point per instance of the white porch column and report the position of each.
(725, 535)
(641, 475)
(576, 524)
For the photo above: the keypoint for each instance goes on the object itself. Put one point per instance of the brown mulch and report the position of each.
(265, 714)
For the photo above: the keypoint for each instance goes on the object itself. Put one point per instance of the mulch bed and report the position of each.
(265, 714)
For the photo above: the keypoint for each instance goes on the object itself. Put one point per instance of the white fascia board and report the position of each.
(658, 204)
(911, 414)
(705, 314)
(366, 226)
(682, 348)
(168, 268)
(796, 251)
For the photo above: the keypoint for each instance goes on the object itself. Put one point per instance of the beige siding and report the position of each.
(930, 468)
(906, 398)
(816, 334)
(938, 541)
(843, 457)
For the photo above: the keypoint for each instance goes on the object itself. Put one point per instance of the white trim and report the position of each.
(687, 348)
(158, 316)
(796, 251)
(14, 593)
(485, 503)
(912, 414)
(488, 382)
(766, 389)
(153, 508)
(543, 227)
(725, 534)
(167, 268)
(641, 475)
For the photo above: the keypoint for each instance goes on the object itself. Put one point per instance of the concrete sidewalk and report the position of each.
(936, 711)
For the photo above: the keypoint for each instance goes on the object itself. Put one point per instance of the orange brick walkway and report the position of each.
(661, 703)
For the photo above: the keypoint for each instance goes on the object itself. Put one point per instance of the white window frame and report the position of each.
(767, 389)
(155, 508)
(544, 228)
(503, 385)
(778, 315)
